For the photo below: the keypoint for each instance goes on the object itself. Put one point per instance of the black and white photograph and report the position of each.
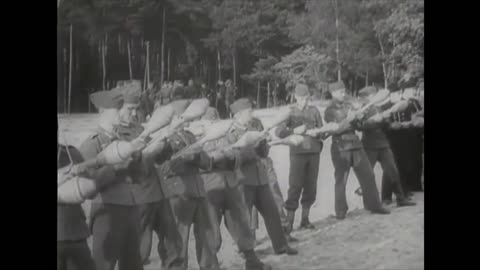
(240, 134)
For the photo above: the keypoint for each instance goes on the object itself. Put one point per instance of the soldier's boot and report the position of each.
(253, 263)
(405, 202)
(290, 219)
(380, 210)
(305, 223)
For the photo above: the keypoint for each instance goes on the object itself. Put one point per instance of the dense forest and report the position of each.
(263, 46)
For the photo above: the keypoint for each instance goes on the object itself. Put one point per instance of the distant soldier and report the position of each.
(377, 147)
(348, 152)
(229, 94)
(305, 158)
(254, 177)
(72, 230)
(191, 89)
(220, 103)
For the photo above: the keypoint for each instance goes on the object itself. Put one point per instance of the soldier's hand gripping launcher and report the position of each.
(214, 131)
(196, 109)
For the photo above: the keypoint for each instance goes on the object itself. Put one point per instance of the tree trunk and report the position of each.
(234, 75)
(366, 79)
(104, 68)
(65, 78)
(70, 70)
(355, 85)
(384, 67)
(88, 99)
(268, 95)
(219, 66)
(275, 95)
(148, 65)
(145, 66)
(168, 64)
(129, 59)
(337, 49)
(162, 71)
(258, 95)
(119, 45)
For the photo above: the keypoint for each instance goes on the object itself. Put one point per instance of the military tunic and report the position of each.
(378, 149)
(186, 191)
(407, 147)
(254, 177)
(226, 198)
(304, 159)
(115, 217)
(348, 152)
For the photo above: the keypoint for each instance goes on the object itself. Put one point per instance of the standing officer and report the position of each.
(226, 198)
(115, 216)
(253, 175)
(377, 147)
(405, 136)
(72, 230)
(304, 159)
(348, 152)
(181, 179)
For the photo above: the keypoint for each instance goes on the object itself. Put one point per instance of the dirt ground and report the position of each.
(362, 241)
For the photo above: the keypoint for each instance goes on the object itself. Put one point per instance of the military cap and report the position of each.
(336, 86)
(240, 105)
(367, 91)
(301, 90)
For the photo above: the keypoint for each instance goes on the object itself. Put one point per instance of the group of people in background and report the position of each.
(155, 193)
(220, 97)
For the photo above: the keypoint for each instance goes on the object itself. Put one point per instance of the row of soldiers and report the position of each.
(155, 192)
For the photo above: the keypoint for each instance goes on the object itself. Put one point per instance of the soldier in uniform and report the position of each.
(115, 216)
(254, 178)
(404, 135)
(181, 179)
(220, 100)
(305, 158)
(348, 152)
(377, 147)
(226, 198)
(72, 230)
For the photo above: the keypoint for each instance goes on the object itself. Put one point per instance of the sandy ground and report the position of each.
(362, 241)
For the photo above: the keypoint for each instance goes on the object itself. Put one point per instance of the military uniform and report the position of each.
(256, 186)
(72, 230)
(304, 159)
(225, 195)
(347, 152)
(407, 147)
(114, 215)
(188, 201)
(378, 149)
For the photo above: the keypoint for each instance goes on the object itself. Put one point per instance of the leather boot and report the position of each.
(253, 263)
(290, 219)
(305, 223)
